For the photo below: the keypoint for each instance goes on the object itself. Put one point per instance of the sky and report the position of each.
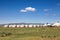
(29, 11)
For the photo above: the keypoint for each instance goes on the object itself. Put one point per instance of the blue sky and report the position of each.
(29, 11)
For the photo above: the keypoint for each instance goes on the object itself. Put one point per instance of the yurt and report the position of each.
(46, 24)
(34, 26)
(26, 26)
(5, 25)
(30, 26)
(56, 24)
(22, 25)
(18, 26)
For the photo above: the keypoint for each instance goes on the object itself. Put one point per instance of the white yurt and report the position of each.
(22, 25)
(56, 24)
(26, 26)
(10, 25)
(13, 25)
(18, 26)
(46, 24)
(30, 25)
(34, 25)
(5, 25)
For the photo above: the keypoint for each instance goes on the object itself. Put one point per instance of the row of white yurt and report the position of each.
(21, 25)
(12, 25)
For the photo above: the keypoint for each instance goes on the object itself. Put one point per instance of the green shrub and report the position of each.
(4, 34)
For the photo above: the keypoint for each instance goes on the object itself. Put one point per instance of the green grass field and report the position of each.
(47, 33)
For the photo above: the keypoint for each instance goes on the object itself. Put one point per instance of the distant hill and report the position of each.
(23, 23)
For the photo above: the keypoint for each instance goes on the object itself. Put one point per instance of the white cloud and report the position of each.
(28, 9)
(46, 10)
(23, 10)
(49, 14)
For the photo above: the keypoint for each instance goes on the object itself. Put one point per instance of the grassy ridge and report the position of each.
(31, 33)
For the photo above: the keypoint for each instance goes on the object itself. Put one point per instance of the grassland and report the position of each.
(47, 33)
